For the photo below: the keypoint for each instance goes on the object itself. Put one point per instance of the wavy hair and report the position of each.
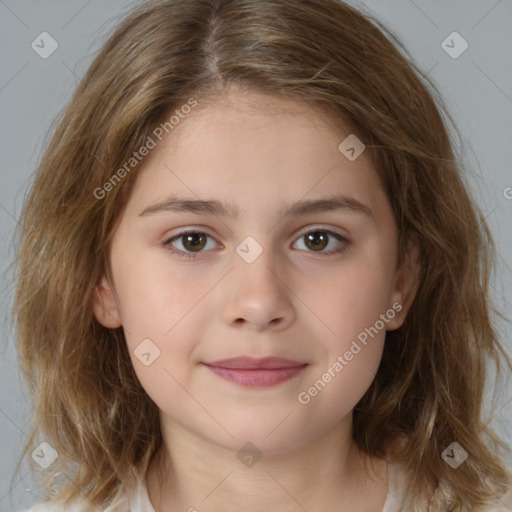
(428, 391)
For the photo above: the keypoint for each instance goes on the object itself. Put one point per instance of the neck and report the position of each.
(327, 473)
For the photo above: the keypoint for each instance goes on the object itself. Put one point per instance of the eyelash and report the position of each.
(191, 255)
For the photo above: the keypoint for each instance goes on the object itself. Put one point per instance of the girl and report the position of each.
(250, 275)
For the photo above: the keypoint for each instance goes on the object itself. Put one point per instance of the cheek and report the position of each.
(165, 313)
(154, 313)
(353, 306)
(349, 368)
(349, 300)
(160, 342)
(333, 394)
(348, 377)
(156, 296)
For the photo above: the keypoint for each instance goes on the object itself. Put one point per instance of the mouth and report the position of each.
(256, 372)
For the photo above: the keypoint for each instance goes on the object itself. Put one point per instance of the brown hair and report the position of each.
(429, 386)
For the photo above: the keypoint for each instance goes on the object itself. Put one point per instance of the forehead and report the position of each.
(254, 150)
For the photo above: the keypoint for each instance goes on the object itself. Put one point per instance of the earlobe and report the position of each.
(407, 280)
(105, 306)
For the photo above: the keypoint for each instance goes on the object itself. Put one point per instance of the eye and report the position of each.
(192, 242)
(317, 239)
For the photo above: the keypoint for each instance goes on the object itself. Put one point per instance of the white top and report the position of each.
(138, 499)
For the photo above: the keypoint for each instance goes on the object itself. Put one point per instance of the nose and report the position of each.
(256, 296)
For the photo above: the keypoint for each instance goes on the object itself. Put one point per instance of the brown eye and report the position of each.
(193, 241)
(316, 240)
(188, 244)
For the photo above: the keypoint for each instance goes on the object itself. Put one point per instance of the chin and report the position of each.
(266, 441)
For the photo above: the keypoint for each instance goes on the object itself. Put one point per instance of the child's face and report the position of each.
(292, 301)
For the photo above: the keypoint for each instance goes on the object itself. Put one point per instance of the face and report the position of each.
(229, 248)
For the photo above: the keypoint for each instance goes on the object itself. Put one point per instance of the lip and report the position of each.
(256, 372)
(255, 363)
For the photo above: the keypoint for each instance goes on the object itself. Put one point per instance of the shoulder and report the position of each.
(503, 504)
(47, 507)
(398, 494)
(130, 497)
(51, 506)
(80, 505)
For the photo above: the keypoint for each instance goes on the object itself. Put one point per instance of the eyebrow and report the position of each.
(176, 204)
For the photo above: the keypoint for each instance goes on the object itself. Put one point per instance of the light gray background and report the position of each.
(477, 87)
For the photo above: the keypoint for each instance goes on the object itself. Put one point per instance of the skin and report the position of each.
(261, 154)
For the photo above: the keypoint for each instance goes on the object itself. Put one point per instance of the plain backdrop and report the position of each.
(476, 86)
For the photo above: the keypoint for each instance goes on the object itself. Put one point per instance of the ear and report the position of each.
(105, 306)
(407, 280)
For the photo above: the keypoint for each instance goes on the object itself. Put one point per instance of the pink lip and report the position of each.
(256, 372)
